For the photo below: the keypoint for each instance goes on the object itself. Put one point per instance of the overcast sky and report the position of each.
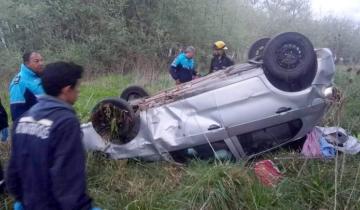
(341, 8)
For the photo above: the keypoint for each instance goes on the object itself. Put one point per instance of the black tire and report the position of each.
(115, 121)
(257, 49)
(290, 57)
(133, 92)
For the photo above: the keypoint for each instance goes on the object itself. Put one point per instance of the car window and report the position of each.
(267, 138)
(204, 152)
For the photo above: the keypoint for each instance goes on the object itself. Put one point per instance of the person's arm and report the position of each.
(67, 172)
(35, 87)
(173, 69)
(33, 90)
(211, 66)
(3, 117)
(195, 73)
(173, 73)
(229, 62)
(13, 182)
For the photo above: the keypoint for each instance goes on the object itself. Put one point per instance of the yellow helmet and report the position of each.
(220, 45)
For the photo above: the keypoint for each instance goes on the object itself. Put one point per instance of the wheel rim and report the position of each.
(259, 51)
(112, 122)
(289, 56)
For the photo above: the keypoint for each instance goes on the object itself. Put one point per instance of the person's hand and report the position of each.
(4, 133)
(177, 82)
(18, 206)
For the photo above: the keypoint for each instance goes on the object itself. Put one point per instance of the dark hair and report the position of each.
(58, 75)
(26, 56)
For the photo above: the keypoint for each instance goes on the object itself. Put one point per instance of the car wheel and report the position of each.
(114, 120)
(134, 92)
(257, 48)
(290, 58)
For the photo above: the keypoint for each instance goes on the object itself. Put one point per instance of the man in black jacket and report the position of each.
(47, 164)
(220, 60)
(3, 136)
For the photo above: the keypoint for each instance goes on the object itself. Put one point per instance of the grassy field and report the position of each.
(308, 184)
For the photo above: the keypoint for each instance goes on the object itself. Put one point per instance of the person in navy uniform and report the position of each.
(26, 86)
(182, 69)
(4, 134)
(47, 163)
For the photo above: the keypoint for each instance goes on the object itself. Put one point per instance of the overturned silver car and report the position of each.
(242, 111)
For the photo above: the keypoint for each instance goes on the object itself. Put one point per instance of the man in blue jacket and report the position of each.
(26, 86)
(182, 69)
(47, 165)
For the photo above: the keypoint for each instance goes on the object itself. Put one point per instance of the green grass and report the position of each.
(307, 184)
(349, 83)
(200, 185)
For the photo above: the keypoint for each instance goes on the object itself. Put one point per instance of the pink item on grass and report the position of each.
(311, 147)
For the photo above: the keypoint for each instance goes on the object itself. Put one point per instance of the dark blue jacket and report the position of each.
(183, 68)
(220, 63)
(47, 165)
(24, 90)
(3, 117)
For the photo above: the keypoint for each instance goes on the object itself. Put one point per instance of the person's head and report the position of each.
(190, 52)
(34, 61)
(219, 48)
(62, 80)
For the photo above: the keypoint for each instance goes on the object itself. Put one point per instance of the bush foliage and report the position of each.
(108, 35)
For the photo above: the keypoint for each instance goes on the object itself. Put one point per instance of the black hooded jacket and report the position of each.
(47, 164)
(220, 62)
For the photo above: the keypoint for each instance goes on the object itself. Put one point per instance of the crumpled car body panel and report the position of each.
(207, 111)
